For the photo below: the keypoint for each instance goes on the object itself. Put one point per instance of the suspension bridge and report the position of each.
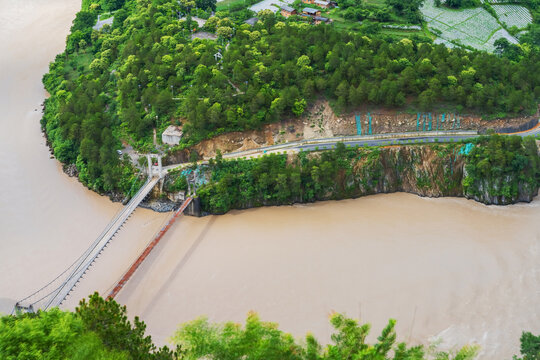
(54, 293)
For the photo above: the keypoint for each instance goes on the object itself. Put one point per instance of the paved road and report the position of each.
(387, 142)
(359, 140)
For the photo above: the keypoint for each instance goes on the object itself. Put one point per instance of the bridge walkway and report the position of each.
(54, 293)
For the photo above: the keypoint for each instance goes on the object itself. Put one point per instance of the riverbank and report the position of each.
(494, 170)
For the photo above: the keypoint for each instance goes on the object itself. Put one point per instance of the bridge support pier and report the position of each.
(194, 208)
(159, 165)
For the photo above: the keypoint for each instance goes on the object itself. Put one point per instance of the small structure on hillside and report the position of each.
(287, 11)
(311, 11)
(172, 135)
(252, 21)
(200, 22)
(320, 19)
(204, 35)
(101, 23)
(322, 3)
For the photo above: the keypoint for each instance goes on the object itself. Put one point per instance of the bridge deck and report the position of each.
(92, 253)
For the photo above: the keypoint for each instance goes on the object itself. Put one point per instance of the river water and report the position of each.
(444, 268)
(46, 218)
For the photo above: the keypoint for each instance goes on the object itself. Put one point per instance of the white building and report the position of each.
(172, 135)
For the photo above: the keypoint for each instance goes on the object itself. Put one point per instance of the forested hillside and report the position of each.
(144, 72)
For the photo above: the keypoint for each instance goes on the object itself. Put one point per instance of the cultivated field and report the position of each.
(470, 27)
(269, 5)
(513, 15)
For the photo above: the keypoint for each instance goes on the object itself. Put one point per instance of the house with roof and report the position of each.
(311, 11)
(287, 11)
(322, 3)
(320, 19)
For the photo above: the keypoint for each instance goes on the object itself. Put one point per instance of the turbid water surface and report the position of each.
(446, 268)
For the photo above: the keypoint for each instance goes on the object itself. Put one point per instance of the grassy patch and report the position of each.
(378, 3)
(224, 5)
(78, 63)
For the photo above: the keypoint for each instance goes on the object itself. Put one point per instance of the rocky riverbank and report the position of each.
(494, 171)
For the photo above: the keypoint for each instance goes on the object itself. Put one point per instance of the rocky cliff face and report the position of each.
(433, 170)
(489, 191)
(427, 171)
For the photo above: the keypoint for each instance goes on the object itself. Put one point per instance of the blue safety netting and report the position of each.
(466, 149)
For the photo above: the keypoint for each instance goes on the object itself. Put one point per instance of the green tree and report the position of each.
(299, 106)
(109, 321)
(53, 335)
(530, 347)
(263, 340)
(45, 335)
(256, 340)
(206, 4)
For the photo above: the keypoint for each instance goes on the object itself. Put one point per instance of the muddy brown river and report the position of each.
(444, 268)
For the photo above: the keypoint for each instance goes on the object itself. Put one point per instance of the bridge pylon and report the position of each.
(149, 165)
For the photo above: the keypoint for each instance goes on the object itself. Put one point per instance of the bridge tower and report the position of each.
(149, 165)
(159, 165)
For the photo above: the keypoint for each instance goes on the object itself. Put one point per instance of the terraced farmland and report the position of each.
(513, 15)
(470, 27)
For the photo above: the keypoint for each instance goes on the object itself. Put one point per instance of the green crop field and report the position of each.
(476, 27)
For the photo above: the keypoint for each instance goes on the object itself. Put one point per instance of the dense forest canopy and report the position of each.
(392, 11)
(99, 329)
(144, 72)
(407, 8)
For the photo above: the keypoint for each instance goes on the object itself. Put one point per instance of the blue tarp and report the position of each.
(466, 149)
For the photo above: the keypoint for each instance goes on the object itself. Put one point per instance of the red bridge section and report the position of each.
(147, 250)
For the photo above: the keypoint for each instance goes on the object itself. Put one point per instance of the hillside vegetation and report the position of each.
(497, 170)
(145, 72)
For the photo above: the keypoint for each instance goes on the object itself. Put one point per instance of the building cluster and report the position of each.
(310, 13)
